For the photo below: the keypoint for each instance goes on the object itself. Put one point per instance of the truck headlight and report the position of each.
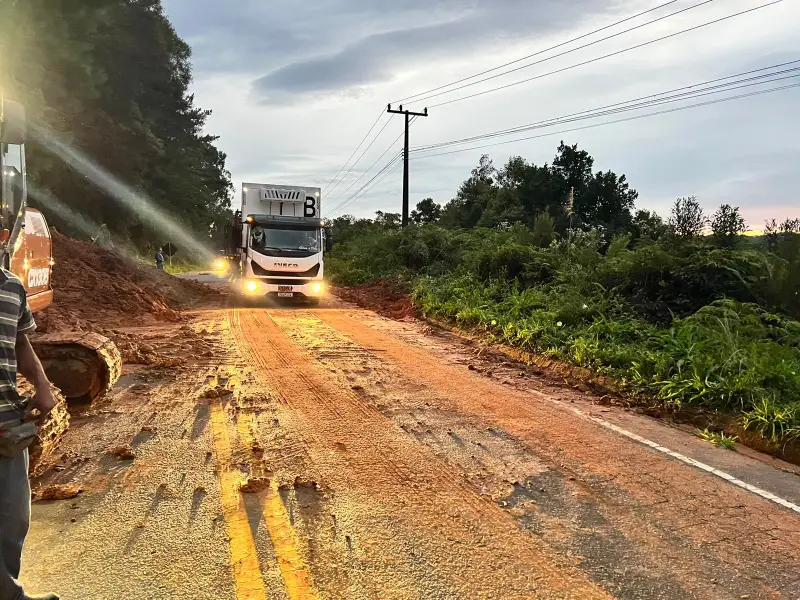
(317, 287)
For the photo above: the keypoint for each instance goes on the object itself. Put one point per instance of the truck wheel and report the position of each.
(313, 301)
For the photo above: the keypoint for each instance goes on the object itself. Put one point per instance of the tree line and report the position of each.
(557, 260)
(111, 78)
(565, 195)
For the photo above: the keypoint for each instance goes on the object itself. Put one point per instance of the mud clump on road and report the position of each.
(254, 485)
(388, 297)
(123, 452)
(94, 285)
(57, 492)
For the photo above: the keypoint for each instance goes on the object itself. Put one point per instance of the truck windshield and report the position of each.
(285, 242)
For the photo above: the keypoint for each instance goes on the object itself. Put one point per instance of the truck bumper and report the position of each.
(262, 287)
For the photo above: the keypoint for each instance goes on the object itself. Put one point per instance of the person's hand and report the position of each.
(41, 405)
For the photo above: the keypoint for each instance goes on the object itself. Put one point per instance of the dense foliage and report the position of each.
(111, 78)
(708, 320)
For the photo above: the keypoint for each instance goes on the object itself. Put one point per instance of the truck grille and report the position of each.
(259, 271)
(272, 281)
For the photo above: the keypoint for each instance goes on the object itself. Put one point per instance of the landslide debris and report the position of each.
(387, 297)
(93, 285)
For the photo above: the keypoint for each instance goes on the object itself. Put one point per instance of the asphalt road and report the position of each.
(293, 453)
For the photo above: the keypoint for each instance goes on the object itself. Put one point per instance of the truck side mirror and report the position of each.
(328, 243)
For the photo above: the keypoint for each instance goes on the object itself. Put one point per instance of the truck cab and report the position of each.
(278, 241)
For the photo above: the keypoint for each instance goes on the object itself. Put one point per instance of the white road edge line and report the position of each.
(689, 461)
(676, 455)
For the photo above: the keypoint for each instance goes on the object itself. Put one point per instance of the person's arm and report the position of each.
(31, 368)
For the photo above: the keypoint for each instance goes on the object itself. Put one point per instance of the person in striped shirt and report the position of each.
(16, 354)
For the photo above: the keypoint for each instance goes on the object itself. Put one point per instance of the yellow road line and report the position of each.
(295, 573)
(293, 568)
(244, 559)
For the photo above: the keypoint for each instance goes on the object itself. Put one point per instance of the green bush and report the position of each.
(685, 321)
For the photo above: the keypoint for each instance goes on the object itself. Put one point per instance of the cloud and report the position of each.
(325, 68)
(380, 57)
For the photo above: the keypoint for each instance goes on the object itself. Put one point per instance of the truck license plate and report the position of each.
(285, 294)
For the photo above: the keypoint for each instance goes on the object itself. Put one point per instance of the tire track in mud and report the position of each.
(558, 508)
(692, 515)
(247, 577)
(416, 529)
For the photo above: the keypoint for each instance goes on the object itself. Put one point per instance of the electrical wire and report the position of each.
(634, 118)
(570, 51)
(354, 152)
(410, 123)
(358, 160)
(365, 190)
(603, 57)
(639, 103)
(570, 41)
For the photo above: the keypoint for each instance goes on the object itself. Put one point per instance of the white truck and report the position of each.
(277, 242)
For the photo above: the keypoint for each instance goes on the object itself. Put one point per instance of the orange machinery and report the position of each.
(83, 365)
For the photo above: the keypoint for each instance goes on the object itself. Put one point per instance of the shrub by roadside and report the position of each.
(688, 323)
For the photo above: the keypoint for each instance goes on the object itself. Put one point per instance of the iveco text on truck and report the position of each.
(277, 242)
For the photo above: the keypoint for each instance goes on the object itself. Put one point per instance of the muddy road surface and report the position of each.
(295, 453)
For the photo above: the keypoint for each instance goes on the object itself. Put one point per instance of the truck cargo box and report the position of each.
(281, 200)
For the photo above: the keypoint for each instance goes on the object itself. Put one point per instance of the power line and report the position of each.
(638, 103)
(389, 167)
(367, 170)
(538, 62)
(599, 58)
(366, 135)
(575, 39)
(358, 160)
(370, 167)
(365, 190)
(634, 118)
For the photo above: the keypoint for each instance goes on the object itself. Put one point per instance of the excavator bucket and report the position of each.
(85, 366)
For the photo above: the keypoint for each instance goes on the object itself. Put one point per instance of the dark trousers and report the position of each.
(15, 517)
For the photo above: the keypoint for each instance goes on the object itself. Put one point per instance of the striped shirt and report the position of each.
(15, 317)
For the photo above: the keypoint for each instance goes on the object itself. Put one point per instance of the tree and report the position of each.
(727, 224)
(544, 230)
(472, 198)
(606, 201)
(574, 167)
(687, 219)
(538, 188)
(111, 78)
(427, 212)
(646, 224)
(388, 220)
(503, 207)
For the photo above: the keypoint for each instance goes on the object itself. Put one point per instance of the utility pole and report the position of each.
(408, 114)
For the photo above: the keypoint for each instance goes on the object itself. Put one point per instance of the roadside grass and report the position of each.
(728, 356)
(719, 439)
(688, 324)
(180, 266)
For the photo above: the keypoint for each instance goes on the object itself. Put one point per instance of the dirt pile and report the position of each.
(386, 297)
(93, 285)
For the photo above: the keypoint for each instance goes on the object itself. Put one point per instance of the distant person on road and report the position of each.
(159, 260)
(16, 430)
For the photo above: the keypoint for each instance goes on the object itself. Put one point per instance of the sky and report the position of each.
(295, 86)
